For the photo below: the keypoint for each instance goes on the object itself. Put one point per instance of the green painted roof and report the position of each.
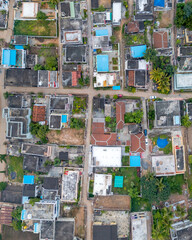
(72, 9)
(118, 181)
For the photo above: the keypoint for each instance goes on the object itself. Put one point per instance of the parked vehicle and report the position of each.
(120, 95)
(146, 141)
(152, 97)
(145, 132)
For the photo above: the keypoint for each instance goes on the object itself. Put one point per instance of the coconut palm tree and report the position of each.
(160, 185)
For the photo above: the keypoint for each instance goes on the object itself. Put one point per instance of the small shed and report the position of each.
(28, 179)
(135, 161)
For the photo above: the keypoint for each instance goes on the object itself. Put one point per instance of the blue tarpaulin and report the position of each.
(118, 182)
(159, 3)
(102, 63)
(64, 118)
(138, 51)
(23, 214)
(101, 32)
(19, 47)
(28, 179)
(25, 199)
(135, 161)
(116, 87)
(9, 57)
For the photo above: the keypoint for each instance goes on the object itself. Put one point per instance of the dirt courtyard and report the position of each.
(80, 223)
(105, 3)
(66, 136)
(166, 19)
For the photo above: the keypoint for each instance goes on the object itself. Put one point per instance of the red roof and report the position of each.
(120, 112)
(104, 139)
(97, 128)
(5, 215)
(131, 78)
(75, 77)
(138, 143)
(133, 27)
(160, 40)
(38, 113)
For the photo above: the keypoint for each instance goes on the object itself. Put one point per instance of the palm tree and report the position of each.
(160, 185)
(156, 74)
(180, 211)
(149, 176)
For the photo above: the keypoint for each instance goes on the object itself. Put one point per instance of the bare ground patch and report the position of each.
(80, 223)
(166, 19)
(66, 136)
(105, 3)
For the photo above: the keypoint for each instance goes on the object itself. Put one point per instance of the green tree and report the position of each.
(51, 63)
(138, 116)
(77, 123)
(180, 211)
(41, 16)
(53, 3)
(40, 131)
(113, 39)
(16, 214)
(57, 162)
(108, 119)
(101, 8)
(32, 201)
(6, 95)
(150, 55)
(160, 185)
(127, 14)
(115, 97)
(39, 67)
(185, 121)
(3, 185)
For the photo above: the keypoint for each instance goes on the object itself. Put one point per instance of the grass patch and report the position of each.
(35, 28)
(79, 105)
(125, 161)
(134, 39)
(111, 123)
(140, 204)
(129, 177)
(15, 164)
(91, 184)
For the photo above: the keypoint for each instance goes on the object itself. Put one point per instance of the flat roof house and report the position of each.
(161, 38)
(105, 232)
(183, 81)
(71, 37)
(106, 156)
(163, 165)
(48, 79)
(29, 10)
(105, 79)
(144, 10)
(102, 184)
(13, 58)
(117, 13)
(75, 53)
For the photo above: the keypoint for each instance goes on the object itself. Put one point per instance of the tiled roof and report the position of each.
(5, 215)
(160, 40)
(133, 27)
(138, 142)
(38, 113)
(97, 128)
(131, 78)
(120, 112)
(104, 139)
(75, 77)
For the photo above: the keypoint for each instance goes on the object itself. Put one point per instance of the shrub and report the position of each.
(40, 131)
(3, 185)
(185, 121)
(127, 148)
(41, 16)
(77, 123)
(6, 95)
(115, 97)
(108, 119)
(32, 201)
(57, 162)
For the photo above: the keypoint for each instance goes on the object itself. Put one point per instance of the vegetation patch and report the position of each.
(131, 182)
(176, 182)
(79, 105)
(134, 117)
(167, 149)
(140, 204)
(110, 123)
(15, 164)
(125, 161)
(77, 123)
(40, 131)
(35, 28)
(17, 223)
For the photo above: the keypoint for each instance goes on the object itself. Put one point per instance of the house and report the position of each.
(106, 156)
(162, 5)
(33, 163)
(6, 214)
(137, 51)
(75, 53)
(116, 13)
(120, 112)
(36, 150)
(102, 184)
(143, 10)
(3, 20)
(100, 18)
(69, 188)
(13, 58)
(64, 228)
(101, 38)
(21, 78)
(134, 27)
(137, 78)
(181, 230)
(70, 78)
(138, 143)
(51, 183)
(164, 165)
(105, 232)
(29, 10)
(11, 194)
(161, 38)
(71, 37)
(48, 79)
(67, 9)
(39, 113)
(183, 81)
(20, 40)
(105, 79)
(140, 222)
(167, 113)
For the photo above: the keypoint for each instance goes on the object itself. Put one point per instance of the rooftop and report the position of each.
(69, 189)
(135, 27)
(105, 79)
(29, 9)
(183, 81)
(139, 226)
(159, 3)
(166, 111)
(20, 40)
(39, 113)
(102, 184)
(104, 232)
(135, 161)
(144, 6)
(138, 142)
(160, 39)
(47, 230)
(21, 78)
(75, 53)
(12, 194)
(64, 229)
(120, 112)
(181, 230)
(118, 182)
(35, 164)
(71, 37)
(106, 156)
(117, 12)
(47, 79)
(51, 183)
(29, 190)
(6, 215)
(163, 165)
(55, 122)
(38, 150)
